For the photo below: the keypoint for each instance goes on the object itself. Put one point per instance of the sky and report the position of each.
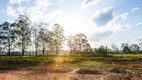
(104, 22)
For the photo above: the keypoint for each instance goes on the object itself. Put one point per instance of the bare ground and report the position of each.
(44, 73)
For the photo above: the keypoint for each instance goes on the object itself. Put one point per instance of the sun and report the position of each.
(72, 24)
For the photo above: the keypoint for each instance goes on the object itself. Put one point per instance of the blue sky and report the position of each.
(103, 21)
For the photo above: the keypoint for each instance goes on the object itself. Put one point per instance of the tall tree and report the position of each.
(134, 48)
(22, 25)
(115, 48)
(72, 44)
(35, 34)
(79, 43)
(43, 37)
(7, 36)
(58, 37)
(6, 29)
(125, 48)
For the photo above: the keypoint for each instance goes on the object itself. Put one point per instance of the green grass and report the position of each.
(25, 60)
(70, 58)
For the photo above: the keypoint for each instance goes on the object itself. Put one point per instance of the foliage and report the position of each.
(7, 37)
(79, 44)
(58, 37)
(25, 60)
(22, 25)
(101, 50)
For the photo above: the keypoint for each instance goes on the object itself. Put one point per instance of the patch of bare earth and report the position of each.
(83, 74)
(42, 73)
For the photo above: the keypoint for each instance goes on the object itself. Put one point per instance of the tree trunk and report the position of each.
(9, 51)
(8, 40)
(23, 52)
(57, 51)
(36, 43)
(106, 50)
(43, 51)
(9, 46)
(23, 46)
(80, 48)
(36, 50)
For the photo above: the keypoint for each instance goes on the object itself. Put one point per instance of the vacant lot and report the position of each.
(72, 67)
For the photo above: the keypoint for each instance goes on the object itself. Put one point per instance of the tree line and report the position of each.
(23, 34)
(124, 48)
(20, 36)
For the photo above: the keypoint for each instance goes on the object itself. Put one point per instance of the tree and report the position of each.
(6, 29)
(7, 36)
(72, 44)
(101, 50)
(125, 48)
(140, 45)
(115, 48)
(79, 44)
(45, 39)
(134, 48)
(4, 36)
(35, 31)
(35, 34)
(22, 25)
(58, 37)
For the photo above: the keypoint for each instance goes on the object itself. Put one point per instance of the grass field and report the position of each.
(116, 66)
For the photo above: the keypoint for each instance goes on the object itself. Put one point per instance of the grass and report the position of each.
(25, 60)
(111, 62)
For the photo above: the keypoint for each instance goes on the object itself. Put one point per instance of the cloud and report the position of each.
(101, 18)
(124, 16)
(125, 26)
(12, 2)
(11, 11)
(106, 24)
(36, 10)
(140, 23)
(87, 3)
(135, 9)
(100, 36)
(106, 20)
(139, 39)
(111, 27)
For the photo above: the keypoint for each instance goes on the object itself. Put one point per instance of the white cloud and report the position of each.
(11, 11)
(12, 2)
(139, 39)
(140, 23)
(135, 9)
(37, 10)
(126, 26)
(111, 25)
(87, 3)
(97, 36)
(124, 16)
(103, 17)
